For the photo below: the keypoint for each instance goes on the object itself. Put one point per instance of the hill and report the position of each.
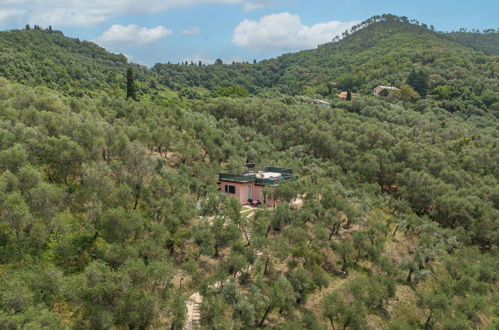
(111, 216)
(383, 50)
(39, 57)
(487, 41)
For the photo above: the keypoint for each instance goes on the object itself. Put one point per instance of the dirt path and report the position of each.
(193, 313)
(193, 304)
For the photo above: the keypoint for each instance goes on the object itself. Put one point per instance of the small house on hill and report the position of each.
(321, 103)
(379, 89)
(344, 95)
(248, 187)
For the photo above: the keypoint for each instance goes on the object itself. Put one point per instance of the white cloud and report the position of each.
(128, 57)
(191, 31)
(256, 4)
(68, 17)
(9, 15)
(285, 32)
(91, 12)
(120, 37)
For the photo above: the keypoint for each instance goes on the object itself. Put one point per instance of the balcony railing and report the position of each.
(286, 174)
(237, 177)
(278, 170)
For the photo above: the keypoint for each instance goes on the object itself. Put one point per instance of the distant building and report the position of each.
(248, 187)
(321, 103)
(343, 95)
(379, 89)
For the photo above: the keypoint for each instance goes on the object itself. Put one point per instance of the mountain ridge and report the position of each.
(381, 50)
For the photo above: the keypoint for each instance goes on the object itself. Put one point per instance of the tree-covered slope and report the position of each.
(487, 41)
(47, 58)
(383, 50)
(384, 53)
(110, 215)
(111, 218)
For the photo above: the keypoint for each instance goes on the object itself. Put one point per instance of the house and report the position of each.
(343, 95)
(248, 187)
(321, 103)
(379, 89)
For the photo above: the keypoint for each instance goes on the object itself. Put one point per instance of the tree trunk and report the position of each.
(409, 276)
(427, 323)
(268, 231)
(265, 269)
(344, 267)
(332, 323)
(331, 233)
(246, 235)
(216, 251)
(137, 197)
(395, 231)
(267, 311)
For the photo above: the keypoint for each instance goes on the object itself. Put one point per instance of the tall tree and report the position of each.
(419, 81)
(131, 89)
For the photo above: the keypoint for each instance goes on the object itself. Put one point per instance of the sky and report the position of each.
(161, 31)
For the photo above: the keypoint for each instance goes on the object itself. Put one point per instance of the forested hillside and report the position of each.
(111, 217)
(37, 57)
(487, 41)
(383, 50)
(100, 225)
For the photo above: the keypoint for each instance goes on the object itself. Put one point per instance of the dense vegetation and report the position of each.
(110, 215)
(383, 53)
(39, 57)
(382, 50)
(486, 41)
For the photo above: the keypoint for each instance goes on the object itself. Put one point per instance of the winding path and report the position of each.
(193, 304)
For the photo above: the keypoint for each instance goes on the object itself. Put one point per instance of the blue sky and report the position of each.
(151, 31)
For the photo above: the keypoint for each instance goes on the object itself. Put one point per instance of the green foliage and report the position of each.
(110, 214)
(232, 91)
(131, 89)
(383, 50)
(418, 80)
(486, 41)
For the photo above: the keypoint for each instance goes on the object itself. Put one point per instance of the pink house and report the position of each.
(248, 187)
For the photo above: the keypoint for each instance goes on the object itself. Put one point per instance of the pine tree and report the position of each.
(131, 90)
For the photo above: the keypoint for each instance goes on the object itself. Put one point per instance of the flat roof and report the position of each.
(268, 175)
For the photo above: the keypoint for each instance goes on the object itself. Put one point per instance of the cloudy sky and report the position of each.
(151, 31)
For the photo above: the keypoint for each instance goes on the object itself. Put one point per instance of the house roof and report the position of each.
(318, 101)
(344, 94)
(271, 176)
(386, 87)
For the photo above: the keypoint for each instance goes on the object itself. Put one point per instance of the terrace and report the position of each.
(249, 187)
(269, 176)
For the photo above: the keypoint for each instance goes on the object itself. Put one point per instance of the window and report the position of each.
(230, 189)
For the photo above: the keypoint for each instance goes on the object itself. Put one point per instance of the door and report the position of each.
(250, 191)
